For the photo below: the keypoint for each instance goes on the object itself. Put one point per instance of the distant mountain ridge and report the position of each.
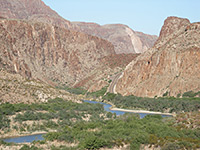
(124, 39)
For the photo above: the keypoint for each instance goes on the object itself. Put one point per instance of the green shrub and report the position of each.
(109, 96)
(26, 147)
(189, 94)
(94, 142)
(134, 146)
(78, 90)
(98, 93)
(165, 94)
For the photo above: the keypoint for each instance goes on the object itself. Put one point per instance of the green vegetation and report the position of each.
(77, 91)
(90, 127)
(127, 130)
(191, 94)
(170, 104)
(64, 111)
(27, 147)
(97, 93)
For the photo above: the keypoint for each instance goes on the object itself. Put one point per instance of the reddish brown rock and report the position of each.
(98, 86)
(172, 66)
(31, 10)
(170, 28)
(53, 54)
(124, 39)
(50, 53)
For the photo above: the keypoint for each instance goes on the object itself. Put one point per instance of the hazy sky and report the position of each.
(141, 15)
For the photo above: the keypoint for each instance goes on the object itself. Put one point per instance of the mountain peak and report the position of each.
(171, 25)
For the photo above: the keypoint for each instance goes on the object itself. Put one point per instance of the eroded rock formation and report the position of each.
(124, 39)
(172, 65)
(50, 53)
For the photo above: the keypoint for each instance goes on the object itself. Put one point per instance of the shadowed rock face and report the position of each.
(49, 53)
(172, 65)
(124, 39)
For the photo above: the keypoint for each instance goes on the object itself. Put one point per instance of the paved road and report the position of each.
(113, 83)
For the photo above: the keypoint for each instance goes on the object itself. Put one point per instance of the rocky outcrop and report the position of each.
(172, 66)
(124, 39)
(50, 53)
(170, 28)
(31, 10)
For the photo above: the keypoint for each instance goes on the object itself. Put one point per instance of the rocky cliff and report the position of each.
(31, 10)
(124, 39)
(172, 66)
(49, 53)
(43, 48)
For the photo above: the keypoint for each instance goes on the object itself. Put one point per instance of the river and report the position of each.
(121, 112)
(25, 139)
(31, 138)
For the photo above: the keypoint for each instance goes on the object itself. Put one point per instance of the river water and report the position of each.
(25, 139)
(31, 138)
(118, 112)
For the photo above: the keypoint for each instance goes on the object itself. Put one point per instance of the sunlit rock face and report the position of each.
(31, 10)
(172, 65)
(49, 53)
(124, 39)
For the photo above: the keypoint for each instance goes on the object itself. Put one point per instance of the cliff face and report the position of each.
(50, 53)
(170, 28)
(124, 39)
(172, 65)
(31, 10)
(52, 50)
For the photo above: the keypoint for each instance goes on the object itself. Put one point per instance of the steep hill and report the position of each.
(171, 67)
(124, 39)
(49, 53)
(47, 47)
(31, 10)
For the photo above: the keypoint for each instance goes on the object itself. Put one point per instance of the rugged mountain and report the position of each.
(31, 10)
(172, 66)
(49, 53)
(169, 29)
(124, 39)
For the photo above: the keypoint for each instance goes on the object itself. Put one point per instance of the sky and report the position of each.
(141, 15)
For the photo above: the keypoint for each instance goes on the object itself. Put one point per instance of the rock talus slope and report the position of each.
(172, 65)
